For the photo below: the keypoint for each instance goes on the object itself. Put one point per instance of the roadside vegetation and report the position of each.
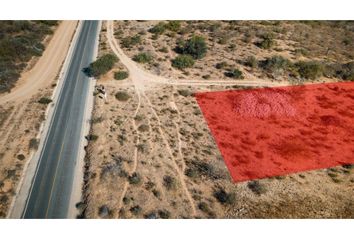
(19, 42)
(102, 65)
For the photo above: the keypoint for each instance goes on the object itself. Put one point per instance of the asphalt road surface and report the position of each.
(50, 192)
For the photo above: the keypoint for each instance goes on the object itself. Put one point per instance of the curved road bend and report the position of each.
(51, 188)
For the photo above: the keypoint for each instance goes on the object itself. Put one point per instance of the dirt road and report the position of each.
(47, 67)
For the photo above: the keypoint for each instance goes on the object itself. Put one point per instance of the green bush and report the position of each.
(169, 182)
(143, 58)
(33, 143)
(276, 63)
(221, 65)
(224, 198)
(102, 65)
(122, 96)
(195, 46)
(234, 73)
(173, 26)
(158, 29)
(256, 187)
(128, 42)
(252, 62)
(121, 75)
(44, 100)
(183, 61)
(92, 137)
(134, 178)
(309, 70)
(267, 42)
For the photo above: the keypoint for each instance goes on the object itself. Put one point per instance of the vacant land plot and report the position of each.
(276, 131)
(154, 155)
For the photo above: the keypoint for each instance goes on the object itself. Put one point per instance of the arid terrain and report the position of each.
(22, 110)
(151, 153)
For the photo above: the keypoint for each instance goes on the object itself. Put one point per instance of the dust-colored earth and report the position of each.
(21, 114)
(151, 154)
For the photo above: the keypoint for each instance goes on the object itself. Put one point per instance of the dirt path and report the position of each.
(46, 68)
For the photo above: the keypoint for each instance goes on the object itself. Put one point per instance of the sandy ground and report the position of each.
(22, 115)
(154, 157)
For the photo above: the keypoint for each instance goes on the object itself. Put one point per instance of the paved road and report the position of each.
(52, 185)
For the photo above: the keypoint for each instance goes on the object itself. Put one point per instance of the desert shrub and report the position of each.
(122, 96)
(143, 128)
(143, 58)
(164, 214)
(195, 46)
(21, 157)
(102, 65)
(207, 76)
(275, 63)
(252, 62)
(199, 168)
(159, 28)
(224, 198)
(139, 117)
(234, 73)
(183, 61)
(221, 65)
(173, 26)
(309, 70)
(103, 211)
(92, 137)
(203, 206)
(134, 178)
(163, 49)
(267, 42)
(256, 187)
(348, 71)
(120, 75)
(301, 51)
(128, 42)
(169, 182)
(33, 143)
(44, 100)
(184, 92)
(136, 210)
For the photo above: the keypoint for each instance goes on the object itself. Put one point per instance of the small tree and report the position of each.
(195, 46)
(101, 65)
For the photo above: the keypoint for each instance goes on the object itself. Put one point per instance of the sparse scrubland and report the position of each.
(155, 156)
(295, 51)
(20, 41)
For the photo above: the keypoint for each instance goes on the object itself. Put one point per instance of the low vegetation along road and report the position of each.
(52, 184)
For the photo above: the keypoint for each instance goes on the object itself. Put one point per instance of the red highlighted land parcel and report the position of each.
(269, 132)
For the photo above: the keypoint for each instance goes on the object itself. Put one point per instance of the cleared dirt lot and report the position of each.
(151, 155)
(22, 113)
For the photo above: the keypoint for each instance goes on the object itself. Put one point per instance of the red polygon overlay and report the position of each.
(269, 132)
